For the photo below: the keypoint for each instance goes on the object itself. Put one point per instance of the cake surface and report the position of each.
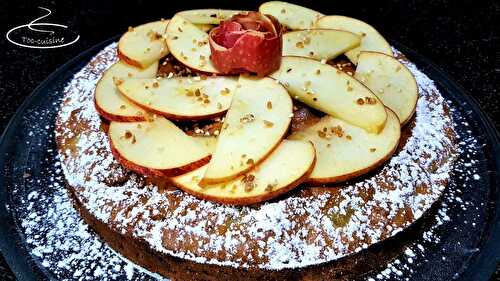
(310, 226)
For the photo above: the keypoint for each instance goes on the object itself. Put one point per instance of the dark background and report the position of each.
(461, 37)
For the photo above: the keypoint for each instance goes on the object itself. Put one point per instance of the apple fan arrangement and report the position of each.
(249, 68)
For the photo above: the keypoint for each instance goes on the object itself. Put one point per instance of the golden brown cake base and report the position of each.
(293, 237)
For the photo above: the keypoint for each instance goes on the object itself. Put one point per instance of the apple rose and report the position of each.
(250, 42)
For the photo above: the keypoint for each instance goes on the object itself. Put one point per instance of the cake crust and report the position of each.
(299, 231)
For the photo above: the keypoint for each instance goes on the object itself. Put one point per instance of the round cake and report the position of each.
(177, 235)
(164, 220)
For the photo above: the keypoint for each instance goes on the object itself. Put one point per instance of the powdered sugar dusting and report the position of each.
(337, 223)
(425, 161)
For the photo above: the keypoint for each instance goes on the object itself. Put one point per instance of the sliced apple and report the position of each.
(181, 98)
(319, 44)
(255, 124)
(287, 166)
(144, 44)
(208, 142)
(331, 91)
(344, 151)
(204, 27)
(109, 102)
(291, 15)
(208, 16)
(189, 44)
(391, 81)
(156, 147)
(371, 39)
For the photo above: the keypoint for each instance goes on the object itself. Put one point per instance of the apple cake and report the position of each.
(197, 174)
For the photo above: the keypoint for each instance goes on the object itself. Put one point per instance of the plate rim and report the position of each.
(484, 261)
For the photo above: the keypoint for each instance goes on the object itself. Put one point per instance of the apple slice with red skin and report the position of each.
(208, 16)
(344, 151)
(319, 44)
(291, 15)
(391, 81)
(329, 90)
(189, 45)
(110, 103)
(143, 45)
(371, 40)
(181, 98)
(156, 148)
(256, 122)
(283, 170)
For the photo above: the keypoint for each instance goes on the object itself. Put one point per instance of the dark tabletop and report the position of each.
(461, 37)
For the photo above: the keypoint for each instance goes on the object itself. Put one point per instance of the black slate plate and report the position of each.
(460, 240)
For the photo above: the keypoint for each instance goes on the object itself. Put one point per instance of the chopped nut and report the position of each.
(175, 37)
(322, 134)
(283, 11)
(206, 101)
(337, 130)
(373, 149)
(225, 91)
(180, 29)
(250, 161)
(349, 88)
(370, 100)
(248, 182)
(271, 186)
(117, 81)
(219, 105)
(307, 40)
(348, 137)
(128, 134)
(197, 92)
(122, 106)
(269, 105)
(156, 85)
(268, 124)
(247, 118)
(299, 45)
(360, 101)
(318, 72)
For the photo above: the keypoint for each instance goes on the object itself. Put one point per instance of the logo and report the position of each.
(42, 35)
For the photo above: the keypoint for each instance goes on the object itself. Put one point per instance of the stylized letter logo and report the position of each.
(42, 35)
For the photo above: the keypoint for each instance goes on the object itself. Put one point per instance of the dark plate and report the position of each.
(459, 239)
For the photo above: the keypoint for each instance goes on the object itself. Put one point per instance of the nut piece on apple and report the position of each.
(344, 151)
(327, 89)
(290, 15)
(112, 105)
(143, 45)
(181, 98)
(319, 44)
(287, 166)
(371, 39)
(156, 148)
(256, 122)
(391, 81)
(208, 16)
(189, 45)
